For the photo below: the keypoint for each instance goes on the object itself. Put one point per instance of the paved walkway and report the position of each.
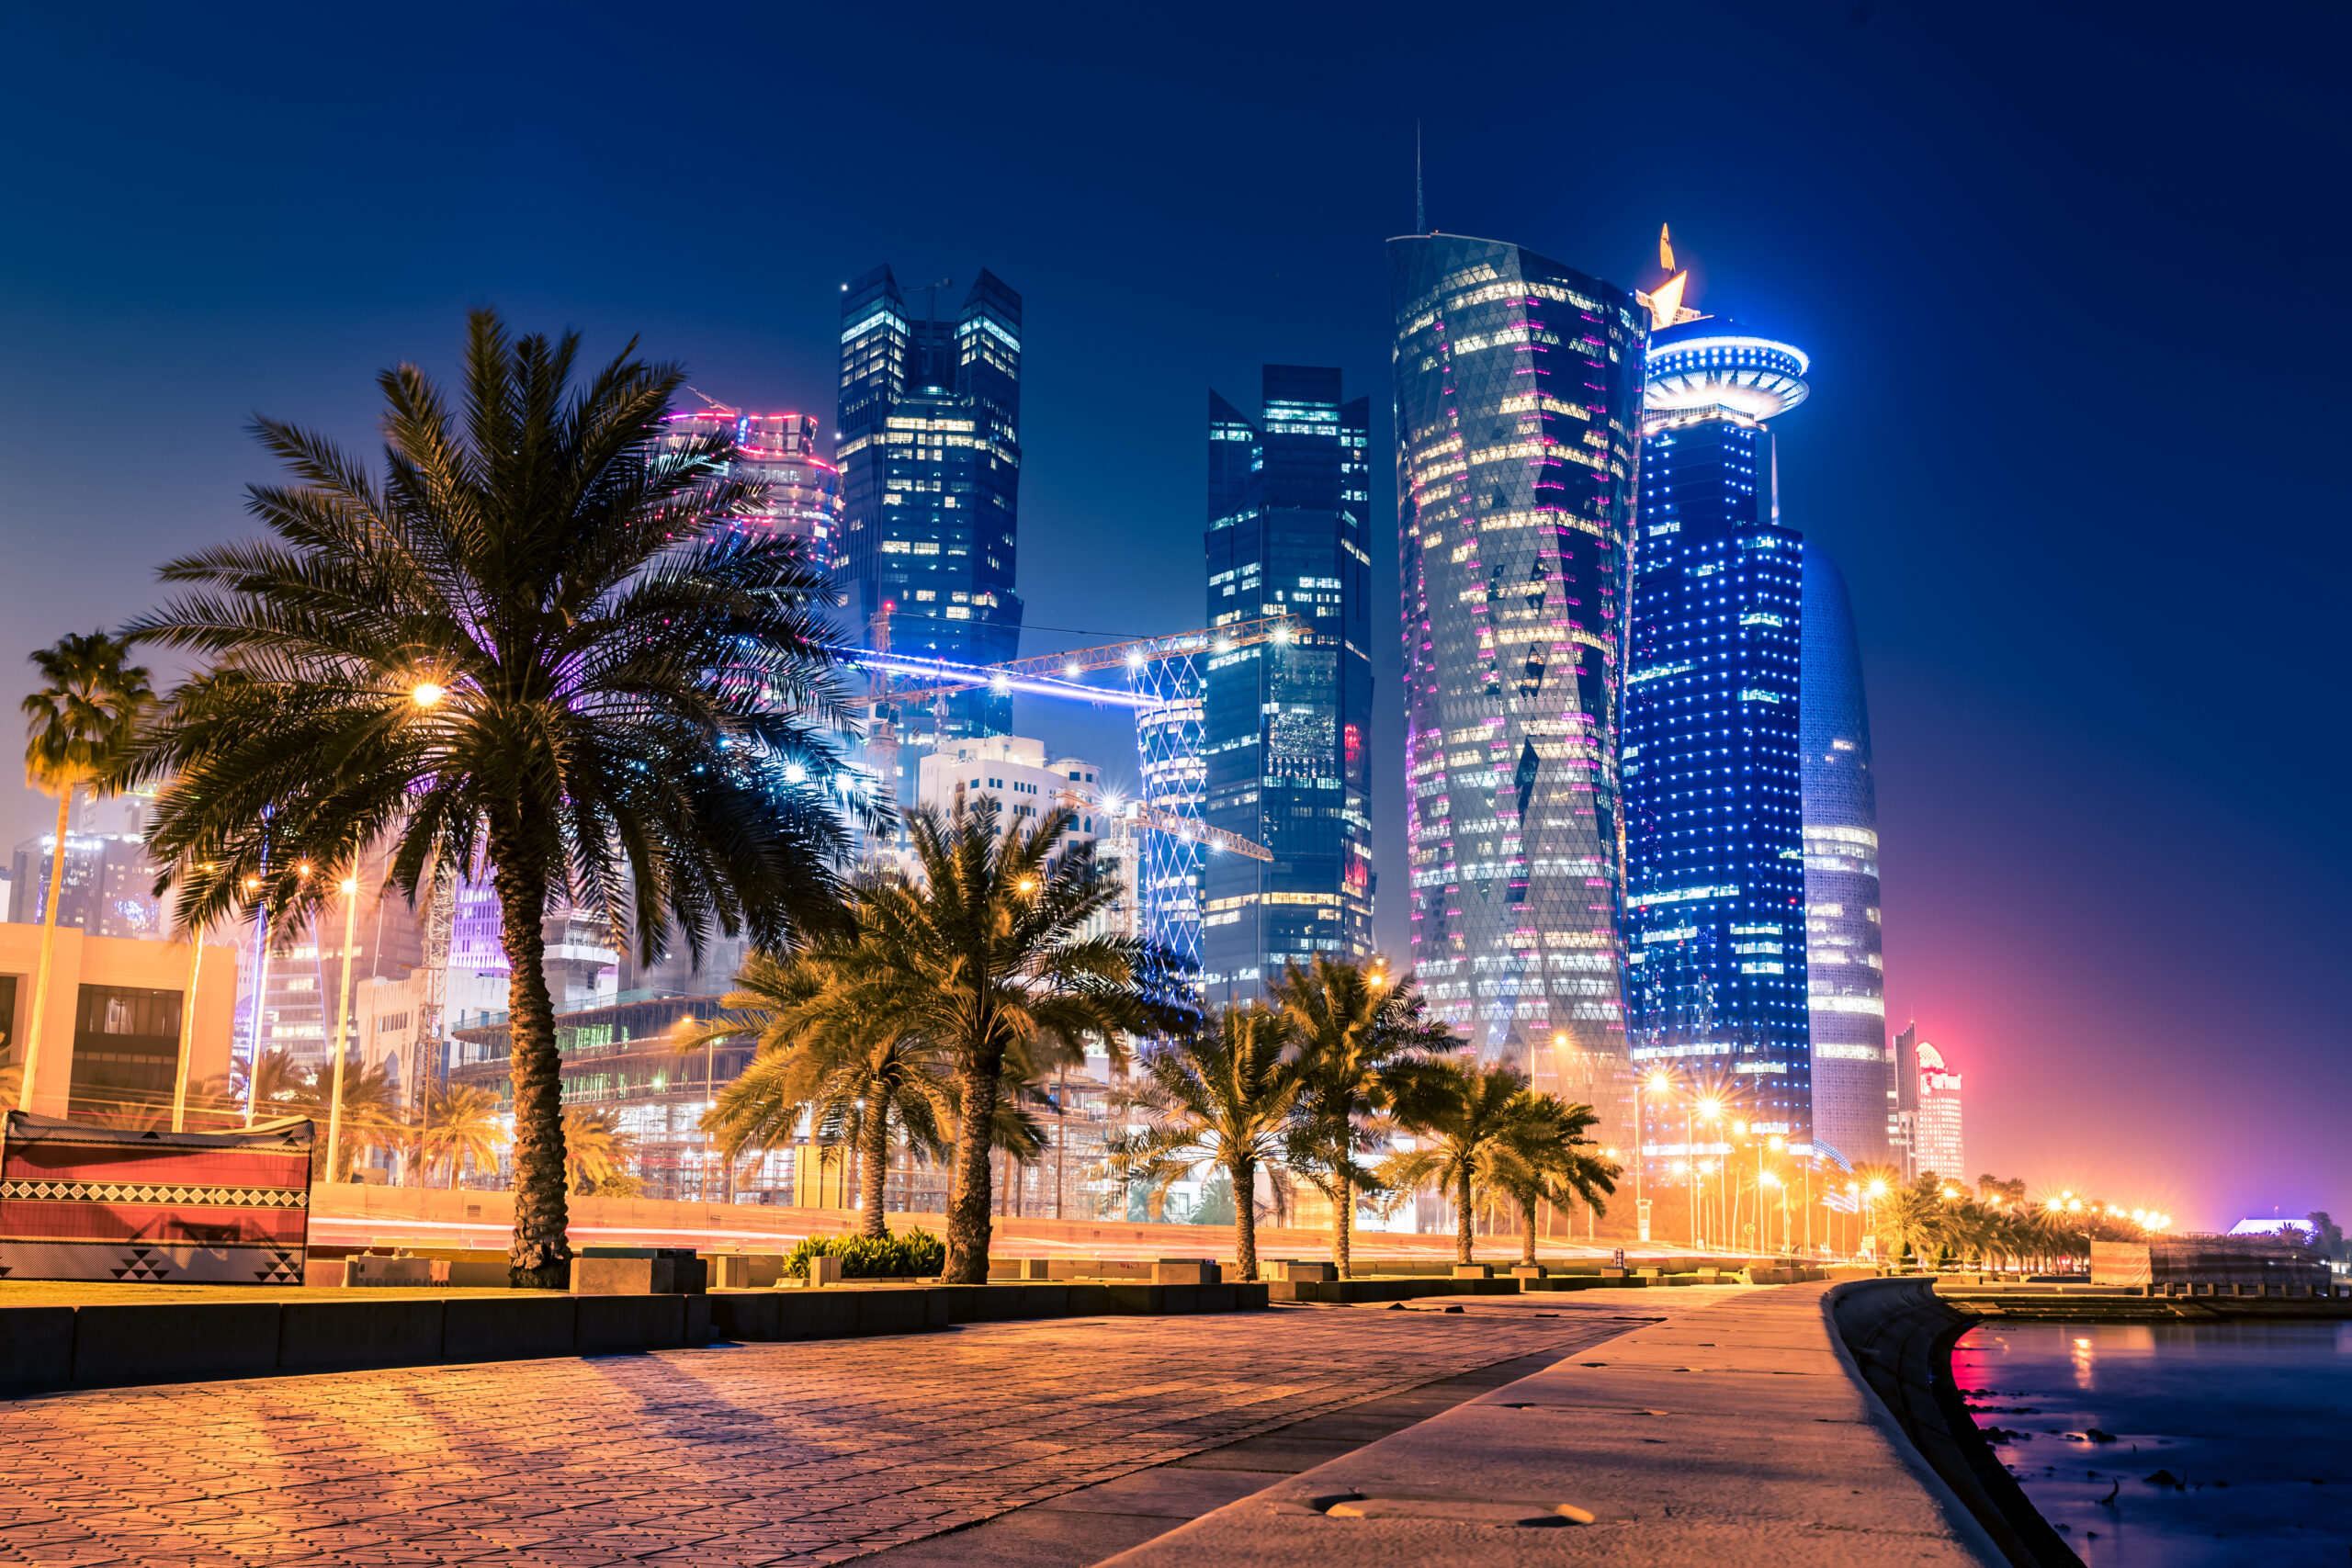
(811, 1452)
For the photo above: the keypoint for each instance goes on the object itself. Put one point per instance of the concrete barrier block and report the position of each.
(750, 1318)
(817, 1315)
(36, 1346)
(608, 1325)
(1295, 1268)
(824, 1271)
(510, 1329)
(173, 1341)
(1177, 1298)
(893, 1312)
(408, 1273)
(1184, 1272)
(347, 1333)
(697, 1319)
(1132, 1301)
(1529, 1271)
(1473, 1272)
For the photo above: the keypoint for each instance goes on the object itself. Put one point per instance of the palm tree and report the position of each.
(1363, 1039)
(370, 1113)
(530, 639)
(851, 1077)
(595, 1148)
(984, 959)
(463, 1129)
(1543, 1156)
(80, 727)
(1462, 1112)
(1223, 1096)
(1910, 1218)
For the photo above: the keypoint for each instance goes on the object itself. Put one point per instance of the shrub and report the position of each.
(903, 1256)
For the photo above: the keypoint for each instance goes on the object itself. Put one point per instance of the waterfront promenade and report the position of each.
(1717, 1420)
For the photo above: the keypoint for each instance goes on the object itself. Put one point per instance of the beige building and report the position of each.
(110, 1048)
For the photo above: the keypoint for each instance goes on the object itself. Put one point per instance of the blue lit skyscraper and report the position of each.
(1854, 1080)
(1286, 725)
(1519, 390)
(1715, 874)
(929, 451)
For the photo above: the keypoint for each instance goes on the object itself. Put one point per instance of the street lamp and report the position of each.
(427, 694)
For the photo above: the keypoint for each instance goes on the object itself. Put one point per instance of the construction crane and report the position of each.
(1055, 674)
(1058, 675)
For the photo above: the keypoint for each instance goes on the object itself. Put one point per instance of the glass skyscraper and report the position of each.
(929, 451)
(1853, 1081)
(778, 450)
(1715, 873)
(1286, 725)
(1519, 388)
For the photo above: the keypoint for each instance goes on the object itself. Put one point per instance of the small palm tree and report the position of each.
(1363, 1039)
(80, 727)
(1541, 1157)
(824, 1062)
(1910, 1218)
(463, 1130)
(533, 638)
(596, 1150)
(1226, 1096)
(985, 958)
(1462, 1112)
(370, 1113)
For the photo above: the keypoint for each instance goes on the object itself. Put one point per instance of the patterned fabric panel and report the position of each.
(107, 1204)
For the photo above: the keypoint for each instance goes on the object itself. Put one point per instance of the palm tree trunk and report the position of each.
(1244, 1173)
(539, 1257)
(1465, 1219)
(969, 1191)
(1343, 1219)
(874, 1161)
(1527, 1248)
(48, 952)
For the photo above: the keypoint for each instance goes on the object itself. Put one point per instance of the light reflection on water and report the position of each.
(2254, 1420)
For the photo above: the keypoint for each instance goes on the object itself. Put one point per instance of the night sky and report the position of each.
(2075, 435)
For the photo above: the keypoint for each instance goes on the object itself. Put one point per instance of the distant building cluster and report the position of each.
(1636, 780)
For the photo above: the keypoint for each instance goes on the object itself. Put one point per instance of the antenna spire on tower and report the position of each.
(1420, 218)
(1665, 248)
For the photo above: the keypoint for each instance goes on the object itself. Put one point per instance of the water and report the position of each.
(2254, 1420)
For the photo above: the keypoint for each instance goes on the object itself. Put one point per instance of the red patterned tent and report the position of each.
(79, 1202)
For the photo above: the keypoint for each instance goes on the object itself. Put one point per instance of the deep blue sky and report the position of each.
(2064, 272)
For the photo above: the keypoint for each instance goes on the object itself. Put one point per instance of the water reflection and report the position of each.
(2175, 1446)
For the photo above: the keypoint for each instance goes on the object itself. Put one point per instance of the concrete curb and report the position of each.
(121, 1343)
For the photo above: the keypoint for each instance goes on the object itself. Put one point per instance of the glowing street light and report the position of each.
(427, 694)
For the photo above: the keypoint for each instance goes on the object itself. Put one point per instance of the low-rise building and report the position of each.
(110, 1049)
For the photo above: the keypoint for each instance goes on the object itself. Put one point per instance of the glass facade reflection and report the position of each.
(1286, 725)
(1519, 388)
(1715, 873)
(930, 456)
(1852, 1079)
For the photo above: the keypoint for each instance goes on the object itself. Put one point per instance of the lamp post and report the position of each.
(343, 1030)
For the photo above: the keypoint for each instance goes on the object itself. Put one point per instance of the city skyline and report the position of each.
(2060, 889)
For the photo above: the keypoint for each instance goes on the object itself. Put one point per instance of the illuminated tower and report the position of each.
(1286, 725)
(1937, 1149)
(1846, 974)
(778, 450)
(929, 454)
(1519, 385)
(1715, 872)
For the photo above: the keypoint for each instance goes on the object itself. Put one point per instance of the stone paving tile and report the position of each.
(736, 1455)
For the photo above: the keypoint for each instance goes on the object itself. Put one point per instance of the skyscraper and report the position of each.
(1845, 973)
(1936, 1148)
(778, 450)
(1714, 777)
(1286, 725)
(1519, 387)
(929, 456)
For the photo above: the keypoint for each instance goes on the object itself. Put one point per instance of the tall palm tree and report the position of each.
(853, 1078)
(463, 1129)
(985, 957)
(80, 727)
(597, 1148)
(1462, 1113)
(1544, 1156)
(1911, 1218)
(1222, 1096)
(530, 639)
(1363, 1039)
